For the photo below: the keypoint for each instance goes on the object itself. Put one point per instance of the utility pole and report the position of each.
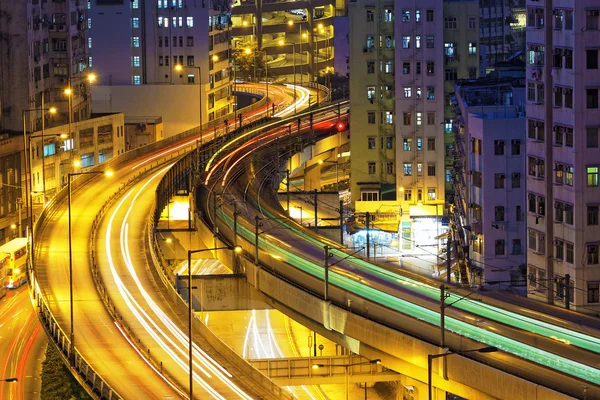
(312, 132)
(448, 256)
(287, 184)
(316, 223)
(215, 227)
(326, 266)
(367, 222)
(442, 316)
(257, 225)
(567, 291)
(235, 215)
(341, 222)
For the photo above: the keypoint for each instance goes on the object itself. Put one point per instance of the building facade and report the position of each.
(461, 61)
(142, 43)
(502, 31)
(562, 153)
(490, 207)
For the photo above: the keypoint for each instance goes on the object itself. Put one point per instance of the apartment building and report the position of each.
(141, 43)
(43, 52)
(502, 30)
(461, 61)
(295, 35)
(563, 156)
(397, 103)
(490, 179)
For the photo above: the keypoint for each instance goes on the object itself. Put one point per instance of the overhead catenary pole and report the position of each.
(287, 184)
(257, 225)
(448, 257)
(316, 219)
(341, 209)
(326, 273)
(367, 223)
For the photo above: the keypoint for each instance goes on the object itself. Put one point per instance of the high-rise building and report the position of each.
(502, 30)
(489, 177)
(293, 39)
(563, 156)
(141, 43)
(461, 61)
(397, 103)
(43, 45)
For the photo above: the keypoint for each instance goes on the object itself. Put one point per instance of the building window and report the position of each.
(419, 119)
(406, 67)
(430, 68)
(371, 93)
(591, 20)
(499, 247)
(370, 15)
(372, 167)
(369, 196)
(135, 41)
(570, 253)
(371, 142)
(407, 144)
(472, 22)
(515, 147)
(406, 42)
(370, 67)
(591, 59)
(516, 180)
(405, 15)
(559, 250)
(135, 23)
(431, 169)
(389, 67)
(419, 169)
(135, 4)
(431, 144)
(569, 172)
(371, 117)
(419, 144)
(389, 117)
(430, 93)
(451, 74)
(592, 98)
(160, 61)
(418, 68)
(558, 98)
(431, 119)
(592, 254)
(592, 176)
(518, 213)
(450, 23)
(429, 15)
(136, 61)
(390, 168)
(408, 195)
(498, 147)
(431, 194)
(535, 130)
(593, 292)
(418, 41)
(389, 142)
(499, 214)
(472, 48)
(499, 181)
(136, 80)
(407, 169)
(592, 138)
(407, 92)
(190, 61)
(592, 212)
(430, 42)
(189, 21)
(407, 118)
(516, 246)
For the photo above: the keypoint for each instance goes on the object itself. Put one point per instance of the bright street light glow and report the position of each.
(215, 58)
(247, 50)
(244, 23)
(178, 68)
(237, 249)
(13, 226)
(91, 78)
(281, 42)
(52, 110)
(290, 22)
(76, 164)
(320, 26)
(64, 136)
(109, 173)
(68, 91)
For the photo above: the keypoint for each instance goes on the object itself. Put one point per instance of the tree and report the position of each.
(57, 381)
(249, 62)
(338, 84)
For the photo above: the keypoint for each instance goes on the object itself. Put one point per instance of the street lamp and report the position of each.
(431, 357)
(69, 175)
(69, 92)
(236, 249)
(337, 182)
(347, 367)
(284, 43)
(179, 68)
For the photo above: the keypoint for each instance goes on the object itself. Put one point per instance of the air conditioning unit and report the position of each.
(592, 248)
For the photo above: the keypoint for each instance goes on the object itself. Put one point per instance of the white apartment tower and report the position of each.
(563, 156)
(140, 42)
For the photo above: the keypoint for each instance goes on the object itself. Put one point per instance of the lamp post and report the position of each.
(69, 93)
(347, 370)
(337, 181)
(236, 249)
(72, 336)
(180, 68)
(284, 43)
(431, 357)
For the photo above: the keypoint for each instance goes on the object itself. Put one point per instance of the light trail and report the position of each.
(177, 351)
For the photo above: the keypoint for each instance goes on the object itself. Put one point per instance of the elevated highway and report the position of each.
(378, 312)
